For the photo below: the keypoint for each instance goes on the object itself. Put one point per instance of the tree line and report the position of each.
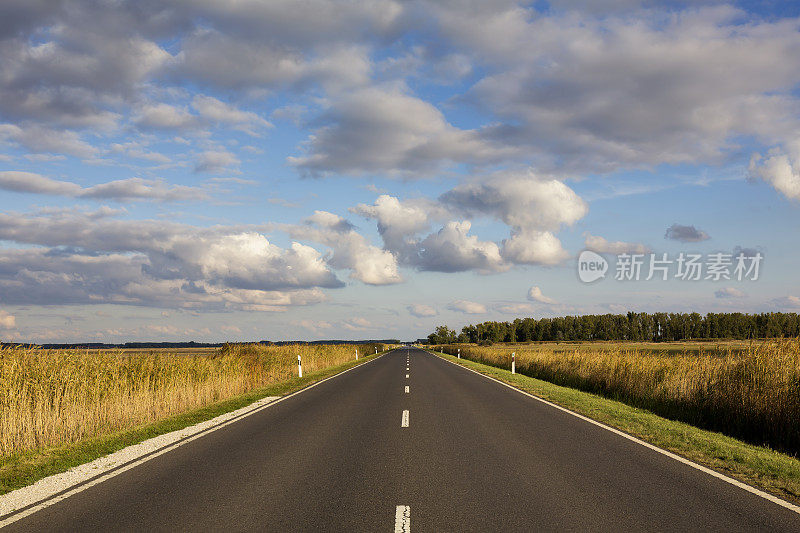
(656, 327)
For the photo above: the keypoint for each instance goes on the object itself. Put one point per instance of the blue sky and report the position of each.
(273, 170)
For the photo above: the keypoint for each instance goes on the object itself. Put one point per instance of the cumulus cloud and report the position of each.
(164, 117)
(29, 182)
(205, 57)
(351, 250)
(83, 258)
(209, 111)
(41, 139)
(514, 309)
(467, 307)
(787, 302)
(601, 245)
(677, 232)
(531, 205)
(780, 168)
(216, 111)
(119, 190)
(422, 310)
(520, 199)
(386, 130)
(729, 292)
(535, 294)
(602, 105)
(533, 248)
(399, 221)
(216, 161)
(452, 249)
(7, 320)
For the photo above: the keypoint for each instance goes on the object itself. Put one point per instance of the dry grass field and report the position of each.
(54, 397)
(747, 390)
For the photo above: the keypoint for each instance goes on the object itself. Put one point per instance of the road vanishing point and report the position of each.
(406, 442)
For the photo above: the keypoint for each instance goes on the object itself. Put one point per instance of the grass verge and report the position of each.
(23, 469)
(760, 467)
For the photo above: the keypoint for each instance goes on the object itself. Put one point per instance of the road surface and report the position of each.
(410, 441)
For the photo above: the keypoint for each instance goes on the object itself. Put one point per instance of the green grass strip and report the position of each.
(23, 469)
(758, 466)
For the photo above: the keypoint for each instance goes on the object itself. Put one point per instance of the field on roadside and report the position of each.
(709, 347)
(55, 397)
(748, 391)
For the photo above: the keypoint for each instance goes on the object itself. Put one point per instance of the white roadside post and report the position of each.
(356, 354)
(459, 353)
(513, 362)
(299, 366)
(376, 351)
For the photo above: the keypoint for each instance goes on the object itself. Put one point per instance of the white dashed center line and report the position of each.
(402, 519)
(408, 389)
(406, 376)
(404, 423)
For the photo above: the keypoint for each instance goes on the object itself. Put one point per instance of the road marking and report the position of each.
(687, 462)
(404, 422)
(406, 376)
(402, 519)
(408, 389)
(48, 491)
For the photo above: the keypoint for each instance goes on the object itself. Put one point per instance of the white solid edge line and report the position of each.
(404, 421)
(51, 499)
(402, 519)
(714, 473)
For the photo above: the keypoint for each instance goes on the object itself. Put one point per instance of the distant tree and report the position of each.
(631, 326)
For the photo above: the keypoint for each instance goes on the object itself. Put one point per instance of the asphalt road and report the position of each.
(476, 456)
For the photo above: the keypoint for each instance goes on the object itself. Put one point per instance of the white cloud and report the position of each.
(7, 321)
(535, 294)
(729, 292)
(119, 190)
(452, 249)
(143, 189)
(356, 324)
(81, 258)
(216, 161)
(534, 248)
(515, 309)
(585, 94)
(29, 182)
(532, 205)
(422, 310)
(214, 110)
(367, 263)
(386, 130)
(781, 169)
(467, 307)
(600, 245)
(400, 221)
(41, 139)
(164, 117)
(521, 199)
(787, 302)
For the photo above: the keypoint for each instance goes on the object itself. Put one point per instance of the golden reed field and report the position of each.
(54, 397)
(751, 392)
